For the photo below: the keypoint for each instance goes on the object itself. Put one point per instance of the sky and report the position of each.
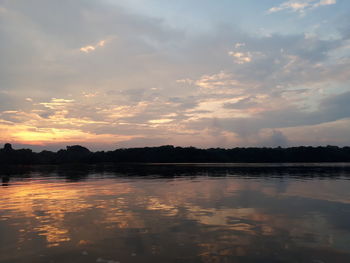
(111, 74)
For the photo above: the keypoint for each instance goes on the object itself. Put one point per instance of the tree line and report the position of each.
(171, 154)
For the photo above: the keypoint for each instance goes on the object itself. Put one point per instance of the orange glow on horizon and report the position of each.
(24, 134)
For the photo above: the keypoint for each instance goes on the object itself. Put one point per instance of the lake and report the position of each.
(176, 213)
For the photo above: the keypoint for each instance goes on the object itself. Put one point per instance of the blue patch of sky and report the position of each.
(250, 16)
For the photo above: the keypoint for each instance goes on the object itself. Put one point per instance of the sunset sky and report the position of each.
(108, 74)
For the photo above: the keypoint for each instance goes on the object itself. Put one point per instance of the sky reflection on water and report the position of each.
(106, 218)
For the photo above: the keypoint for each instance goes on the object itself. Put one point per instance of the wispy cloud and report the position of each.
(90, 48)
(241, 57)
(56, 103)
(300, 5)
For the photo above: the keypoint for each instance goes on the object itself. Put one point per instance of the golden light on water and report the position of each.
(46, 204)
(59, 214)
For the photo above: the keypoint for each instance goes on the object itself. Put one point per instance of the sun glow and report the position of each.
(42, 136)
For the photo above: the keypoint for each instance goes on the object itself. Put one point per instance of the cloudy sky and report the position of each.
(124, 73)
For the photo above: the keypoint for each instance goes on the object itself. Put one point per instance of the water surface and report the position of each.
(186, 213)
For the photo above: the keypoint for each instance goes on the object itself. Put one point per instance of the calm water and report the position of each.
(175, 214)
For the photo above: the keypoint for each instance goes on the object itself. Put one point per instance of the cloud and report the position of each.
(301, 5)
(160, 121)
(55, 104)
(89, 48)
(240, 57)
(222, 86)
(244, 103)
(325, 2)
(328, 133)
(277, 138)
(238, 45)
(219, 80)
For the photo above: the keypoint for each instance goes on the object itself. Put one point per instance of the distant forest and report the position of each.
(171, 154)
